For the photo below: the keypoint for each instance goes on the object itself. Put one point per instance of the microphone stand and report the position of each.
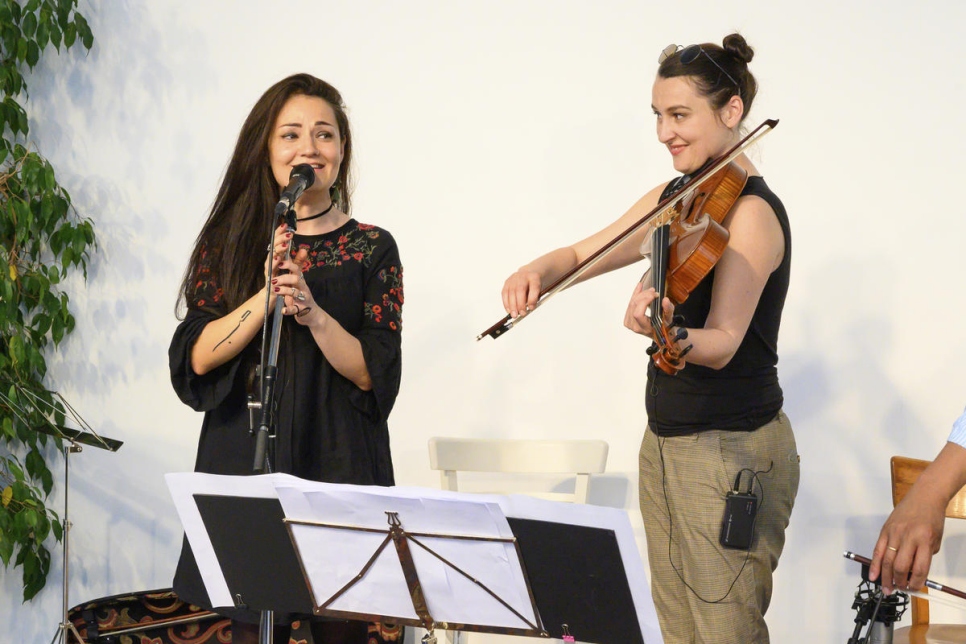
(268, 370)
(873, 607)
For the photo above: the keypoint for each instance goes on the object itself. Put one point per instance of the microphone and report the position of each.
(302, 176)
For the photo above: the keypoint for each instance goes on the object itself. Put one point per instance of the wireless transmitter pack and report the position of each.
(738, 525)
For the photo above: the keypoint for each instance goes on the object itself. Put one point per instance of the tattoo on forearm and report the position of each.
(244, 317)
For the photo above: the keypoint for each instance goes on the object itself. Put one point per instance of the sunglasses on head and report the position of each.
(688, 54)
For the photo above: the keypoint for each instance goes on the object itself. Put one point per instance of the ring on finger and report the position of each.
(300, 296)
(892, 549)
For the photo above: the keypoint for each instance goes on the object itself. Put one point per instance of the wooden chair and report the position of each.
(905, 472)
(516, 459)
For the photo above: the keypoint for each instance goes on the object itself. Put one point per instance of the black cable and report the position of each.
(670, 532)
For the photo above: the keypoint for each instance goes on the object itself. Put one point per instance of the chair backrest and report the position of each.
(905, 472)
(579, 458)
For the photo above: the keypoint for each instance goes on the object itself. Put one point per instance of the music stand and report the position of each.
(28, 402)
(454, 563)
(73, 439)
(222, 503)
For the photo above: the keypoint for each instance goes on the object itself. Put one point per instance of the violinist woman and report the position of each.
(716, 426)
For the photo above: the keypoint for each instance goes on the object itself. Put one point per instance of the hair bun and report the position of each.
(735, 45)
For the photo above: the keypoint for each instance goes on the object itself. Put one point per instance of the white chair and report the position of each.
(577, 458)
(519, 460)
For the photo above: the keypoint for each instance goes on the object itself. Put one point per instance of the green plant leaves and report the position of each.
(42, 240)
(29, 24)
(25, 523)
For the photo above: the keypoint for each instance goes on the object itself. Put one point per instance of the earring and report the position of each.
(335, 194)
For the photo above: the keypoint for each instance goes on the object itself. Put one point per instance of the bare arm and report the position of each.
(342, 349)
(522, 289)
(755, 249)
(224, 338)
(915, 527)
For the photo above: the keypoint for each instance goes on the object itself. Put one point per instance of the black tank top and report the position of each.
(745, 394)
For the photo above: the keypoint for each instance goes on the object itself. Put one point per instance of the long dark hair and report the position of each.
(230, 248)
(732, 58)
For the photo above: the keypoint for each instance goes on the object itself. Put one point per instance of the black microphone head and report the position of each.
(303, 172)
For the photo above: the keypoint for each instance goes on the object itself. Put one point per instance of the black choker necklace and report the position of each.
(321, 214)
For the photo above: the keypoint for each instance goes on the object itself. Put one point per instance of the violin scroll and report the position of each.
(666, 352)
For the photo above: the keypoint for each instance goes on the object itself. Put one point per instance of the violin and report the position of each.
(687, 242)
(699, 243)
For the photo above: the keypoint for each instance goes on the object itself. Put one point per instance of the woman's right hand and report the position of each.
(280, 247)
(521, 292)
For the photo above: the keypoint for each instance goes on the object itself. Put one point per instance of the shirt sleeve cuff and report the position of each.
(958, 434)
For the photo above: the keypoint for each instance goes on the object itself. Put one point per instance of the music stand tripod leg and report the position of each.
(63, 628)
(266, 624)
(66, 625)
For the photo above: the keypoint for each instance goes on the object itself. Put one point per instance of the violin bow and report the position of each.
(865, 561)
(568, 278)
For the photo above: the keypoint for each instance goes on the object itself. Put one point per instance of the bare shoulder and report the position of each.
(754, 228)
(751, 210)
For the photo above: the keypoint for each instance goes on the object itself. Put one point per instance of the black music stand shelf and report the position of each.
(255, 553)
(578, 579)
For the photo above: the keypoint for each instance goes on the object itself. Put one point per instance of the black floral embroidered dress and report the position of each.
(327, 428)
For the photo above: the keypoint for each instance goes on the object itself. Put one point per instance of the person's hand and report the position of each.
(521, 292)
(636, 318)
(290, 285)
(280, 242)
(908, 540)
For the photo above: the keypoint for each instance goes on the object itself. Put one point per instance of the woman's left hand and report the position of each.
(298, 299)
(637, 318)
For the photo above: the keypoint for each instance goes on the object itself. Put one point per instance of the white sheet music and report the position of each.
(332, 557)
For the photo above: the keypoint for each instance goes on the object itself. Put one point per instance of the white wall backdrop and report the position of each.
(488, 133)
